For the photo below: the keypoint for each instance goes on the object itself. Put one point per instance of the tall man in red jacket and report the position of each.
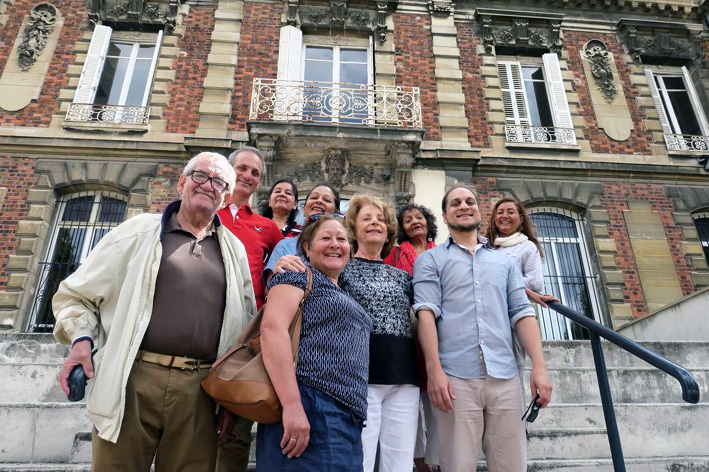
(259, 236)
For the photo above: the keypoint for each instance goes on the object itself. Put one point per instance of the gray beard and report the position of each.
(464, 228)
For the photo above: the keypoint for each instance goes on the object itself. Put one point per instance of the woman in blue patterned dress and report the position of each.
(324, 396)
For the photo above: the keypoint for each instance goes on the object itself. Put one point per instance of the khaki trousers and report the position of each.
(486, 412)
(234, 451)
(168, 418)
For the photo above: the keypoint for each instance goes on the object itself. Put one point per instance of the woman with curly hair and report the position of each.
(417, 231)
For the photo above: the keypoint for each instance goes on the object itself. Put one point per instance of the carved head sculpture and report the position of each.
(335, 167)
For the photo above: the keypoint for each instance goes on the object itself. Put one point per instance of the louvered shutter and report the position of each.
(694, 99)
(513, 96)
(289, 70)
(661, 113)
(154, 66)
(95, 58)
(555, 90)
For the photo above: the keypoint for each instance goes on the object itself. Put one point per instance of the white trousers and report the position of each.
(426, 439)
(392, 416)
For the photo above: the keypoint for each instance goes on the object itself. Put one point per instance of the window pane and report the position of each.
(353, 73)
(684, 112)
(112, 210)
(534, 73)
(146, 51)
(551, 226)
(78, 209)
(674, 83)
(318, 71)
(353, 55)
(324, 54)
(138, 82)
(702, 225)
(112, 78)
(120, 49)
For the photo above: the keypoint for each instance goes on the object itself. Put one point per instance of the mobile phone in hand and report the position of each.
(77, 384)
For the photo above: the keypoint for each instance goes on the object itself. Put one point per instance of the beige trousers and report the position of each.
(486, 412)
(234, 450)
(168, 417)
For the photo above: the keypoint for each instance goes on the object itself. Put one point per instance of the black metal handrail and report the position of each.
(690, 388)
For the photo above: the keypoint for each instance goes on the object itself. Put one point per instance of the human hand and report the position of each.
(440, 390)
(80, 354)
(539, 383)
(296, 431)
(289, 262)
(541, 299)
(225, 423)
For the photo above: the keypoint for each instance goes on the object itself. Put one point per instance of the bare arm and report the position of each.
(278, 358)
(531, 340)
(440, 391)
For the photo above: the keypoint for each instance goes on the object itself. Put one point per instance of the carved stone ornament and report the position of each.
(335, 167)
(339, 15)
(308, 173)
(42, 20)
(135, 13)
(359, 175)
(292, 16)
(440, 7)
(338, 12)
(600, 61)
(651, 44)
(516, 32)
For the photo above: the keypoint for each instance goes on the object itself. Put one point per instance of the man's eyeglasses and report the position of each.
(532, 410)
(317, 216)
(200, 177)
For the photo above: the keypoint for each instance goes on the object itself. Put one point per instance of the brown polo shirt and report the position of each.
(190, 295)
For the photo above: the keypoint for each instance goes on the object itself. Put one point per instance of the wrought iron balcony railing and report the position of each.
(540, 135)
(116, 114)
(685, 142)
(325, 102)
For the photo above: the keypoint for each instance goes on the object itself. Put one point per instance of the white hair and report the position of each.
(215, 158)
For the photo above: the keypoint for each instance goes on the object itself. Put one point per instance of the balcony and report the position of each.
(339, 103)
(87, 115)
(540, 135)
(685, 142)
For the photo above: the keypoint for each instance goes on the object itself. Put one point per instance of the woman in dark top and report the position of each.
(282, 207)
(386, 294)
(324, 397)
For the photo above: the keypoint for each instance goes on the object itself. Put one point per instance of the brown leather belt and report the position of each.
(174, 362)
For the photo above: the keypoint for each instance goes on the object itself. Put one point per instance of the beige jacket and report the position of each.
(110, 298)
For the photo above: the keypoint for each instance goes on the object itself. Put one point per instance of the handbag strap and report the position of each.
(298, 320)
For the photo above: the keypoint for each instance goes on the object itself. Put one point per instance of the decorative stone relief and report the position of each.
(440, 7)
(27, 66)
(523, 31)
(43, 19)
(606, 91)
(339, 15)
(132, 12)
(650, 43)
(335, 166)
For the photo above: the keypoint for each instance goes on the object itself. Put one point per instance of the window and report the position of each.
(81, 221)
(534, 99)
(566, 272)
(683, 121)
(116, 80)
(702, 223)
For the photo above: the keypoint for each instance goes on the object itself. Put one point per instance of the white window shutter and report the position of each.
(514, 98)
(151, 75)
(91, 73)
(661, 113)
(290, 62)
(694, 98)
(555, 90)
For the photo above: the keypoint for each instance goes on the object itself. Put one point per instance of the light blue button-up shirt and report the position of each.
(476, 299)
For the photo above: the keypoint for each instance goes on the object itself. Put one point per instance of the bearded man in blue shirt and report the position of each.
(467, 298)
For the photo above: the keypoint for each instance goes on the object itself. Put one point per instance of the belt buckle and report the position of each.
(195, 365)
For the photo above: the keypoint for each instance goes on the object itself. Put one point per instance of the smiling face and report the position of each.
(248, 169)
(329, 249)
(202, 198)
(462, 212)
(282, 199)
(415, 225)
(507, 219)
(320, 200)
(370, 227)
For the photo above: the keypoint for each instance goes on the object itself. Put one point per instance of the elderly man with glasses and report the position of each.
(159, 299)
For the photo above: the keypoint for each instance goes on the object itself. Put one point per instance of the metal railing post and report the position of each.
(607, 402)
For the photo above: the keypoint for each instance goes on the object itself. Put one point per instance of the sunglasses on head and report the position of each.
(317, 216)
(532, 410)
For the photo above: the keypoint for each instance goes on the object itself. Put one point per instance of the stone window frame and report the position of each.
(703, 232)
(582, 241)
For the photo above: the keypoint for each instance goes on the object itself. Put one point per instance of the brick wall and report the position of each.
(615, 199)
(476, 105)
(186, 91)
(486, 189)
(18, 176)
(39, 113)
(639, 140)
(258, 56)
(415, 65)
(163, 188)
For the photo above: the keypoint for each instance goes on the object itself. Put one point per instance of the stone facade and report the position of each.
(632, 199)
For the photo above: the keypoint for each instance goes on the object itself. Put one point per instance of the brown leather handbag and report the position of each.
(238, 380)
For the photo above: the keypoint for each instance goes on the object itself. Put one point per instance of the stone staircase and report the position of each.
(41, 431)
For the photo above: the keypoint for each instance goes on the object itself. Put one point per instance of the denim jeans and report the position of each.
(335, 439)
